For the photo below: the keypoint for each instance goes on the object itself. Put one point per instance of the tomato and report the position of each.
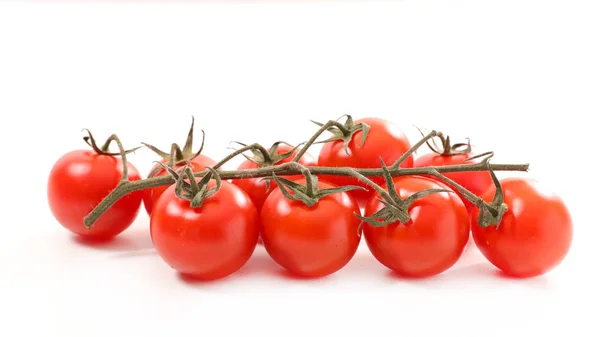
(310, 241)
(78, 181)
(534, 234)
(256, 187)
(384, 140)
(151, 195)
(476, 182)
(431, 242)
(208, 242)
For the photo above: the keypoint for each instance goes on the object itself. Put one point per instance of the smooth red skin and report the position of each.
(151, 195)
(535, 234)
(431, 242)
(385, 140)
(476, 182)
(310, 241)
(256, 188)
(78, 181)
(209, 242)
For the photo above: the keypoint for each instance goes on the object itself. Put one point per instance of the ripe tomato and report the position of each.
(310, 241)
(534, 235)
(384, 140)
(208, 242)
(151, 195)
(431, 242)
(78, 181)
(476, 182)
(256, 187)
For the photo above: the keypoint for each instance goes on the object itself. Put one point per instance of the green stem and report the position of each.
(414, 148)
(290, 169)
(314, 138)
(232, 155)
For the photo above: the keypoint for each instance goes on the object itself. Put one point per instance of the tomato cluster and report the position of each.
(313, 227)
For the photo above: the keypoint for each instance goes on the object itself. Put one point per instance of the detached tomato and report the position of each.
(384, 140)
(256, 188)
(151, 195)
(78, 181)
(431, 242)
(310, 241)
(534, 235)
(476, 182)
(208, 242)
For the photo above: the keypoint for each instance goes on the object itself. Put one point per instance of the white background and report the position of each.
(517, 77)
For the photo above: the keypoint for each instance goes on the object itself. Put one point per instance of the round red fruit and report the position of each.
(534, 234)
(431, 241)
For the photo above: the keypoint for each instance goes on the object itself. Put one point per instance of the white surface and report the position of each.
(500, 72)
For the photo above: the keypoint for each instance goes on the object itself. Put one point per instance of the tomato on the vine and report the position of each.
(534, 234)
(207, 242)
(79, 180)
(256, 188)
(151, 195)
(384, 139)
(475, 182)
(310, 241)
(431, 241)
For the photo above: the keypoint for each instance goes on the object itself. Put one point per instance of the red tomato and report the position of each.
(78, 181)
(151, 195)
(256, 187)
(431, 242)
(208, 242)
(534, 235)
(476, 182)
(384, 140)
(310, 241)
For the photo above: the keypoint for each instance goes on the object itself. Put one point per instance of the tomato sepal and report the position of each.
(344, 132)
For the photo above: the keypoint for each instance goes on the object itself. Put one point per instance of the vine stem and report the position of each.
(239, 151)
(414, 148)
(290, 169)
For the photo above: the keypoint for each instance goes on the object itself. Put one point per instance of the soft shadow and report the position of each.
(541, 281)
(194, 281)
(464, 273)
(259, 263)
(131, 240)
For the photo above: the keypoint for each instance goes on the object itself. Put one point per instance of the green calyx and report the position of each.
(447, 148)
(104, 149)
(193, 191)
(271, 157)
(177, 155)
(395, 208)
(344, 132)
(490, 214)
(310, 193)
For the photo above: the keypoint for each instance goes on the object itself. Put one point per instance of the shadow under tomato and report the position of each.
(132, 240)
(540, 281)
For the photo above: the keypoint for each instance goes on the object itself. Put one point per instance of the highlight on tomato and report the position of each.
(360, 144)
(477, 182)
(80, 179)
(310, 228)
(421, 232)
(279, 153)
(531, 235)
(176, 159)
(204, 233)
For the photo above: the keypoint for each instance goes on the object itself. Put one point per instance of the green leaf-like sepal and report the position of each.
(345, 132)
(491, 214)
(196, 192)
(310, 193)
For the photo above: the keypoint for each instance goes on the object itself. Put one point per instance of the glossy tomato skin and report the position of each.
(535, 233)
(476, 182)
(78, 181)
(151, 195)
(310, 241)
(431, 242)
(385, 140)
(256, 188)
(209, 242)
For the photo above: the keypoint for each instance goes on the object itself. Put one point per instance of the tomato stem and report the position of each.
(415, 147)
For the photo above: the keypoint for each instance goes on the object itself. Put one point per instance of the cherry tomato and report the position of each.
(534, 235)
(208, 242)
(431, 242)
(310, 241)
(151, 195)
(384, 140)
(256, 187)
(78, 181)
(476, 182)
